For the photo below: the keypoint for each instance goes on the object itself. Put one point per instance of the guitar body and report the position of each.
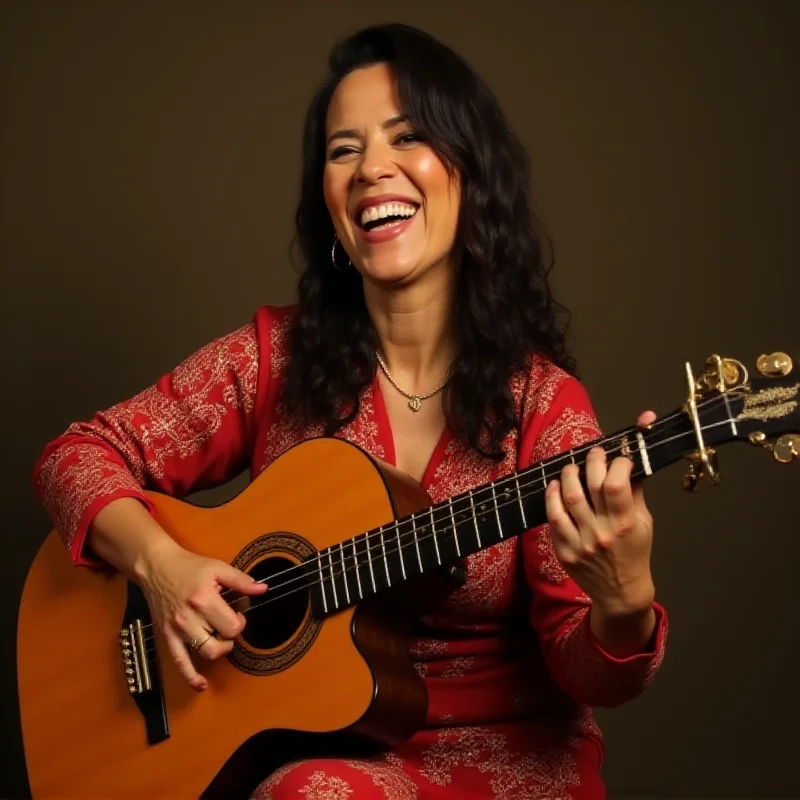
(106, 715)
(295, 686)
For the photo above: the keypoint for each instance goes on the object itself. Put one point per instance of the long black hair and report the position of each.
(504, 307)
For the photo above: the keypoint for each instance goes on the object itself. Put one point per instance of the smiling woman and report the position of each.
(392, 200)
(426, 333)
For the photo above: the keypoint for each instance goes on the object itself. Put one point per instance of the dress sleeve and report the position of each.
(558, 417)
(192, 429)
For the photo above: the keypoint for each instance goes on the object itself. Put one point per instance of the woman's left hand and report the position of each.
(604, 541)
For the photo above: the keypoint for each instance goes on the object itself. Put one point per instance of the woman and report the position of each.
(426, 333)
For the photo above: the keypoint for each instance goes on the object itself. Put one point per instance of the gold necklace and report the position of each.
(414, 400)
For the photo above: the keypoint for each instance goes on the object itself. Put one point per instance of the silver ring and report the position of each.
(196, 644)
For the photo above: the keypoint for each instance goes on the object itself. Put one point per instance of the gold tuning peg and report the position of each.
(784, 450)
(775, 365)
(697, 470)
(692, 476)
(719, 375)
(787, 448)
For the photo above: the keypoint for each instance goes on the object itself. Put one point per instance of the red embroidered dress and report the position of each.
(510, 664)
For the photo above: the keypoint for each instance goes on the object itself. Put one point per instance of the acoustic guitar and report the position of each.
(322, 665)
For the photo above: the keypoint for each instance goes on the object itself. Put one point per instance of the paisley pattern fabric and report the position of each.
(509, 661)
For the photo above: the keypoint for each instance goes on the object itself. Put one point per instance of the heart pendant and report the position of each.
(415, 404)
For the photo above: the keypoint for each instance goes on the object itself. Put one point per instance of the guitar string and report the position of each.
(390, 529)
(302, 568)
(474, 494)
(401, 546)
(477, 495)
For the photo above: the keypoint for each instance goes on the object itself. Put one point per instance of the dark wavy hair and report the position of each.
(505, 309)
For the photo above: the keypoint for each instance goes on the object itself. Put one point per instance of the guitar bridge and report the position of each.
(134, 658)
(140, 665)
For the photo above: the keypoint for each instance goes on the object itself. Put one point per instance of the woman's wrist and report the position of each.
(623, 634)
(126, 536)
(153, 548)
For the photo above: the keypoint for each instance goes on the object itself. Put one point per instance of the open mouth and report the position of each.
(387, 215)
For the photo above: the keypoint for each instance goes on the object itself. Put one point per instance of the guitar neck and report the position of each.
(447, 532)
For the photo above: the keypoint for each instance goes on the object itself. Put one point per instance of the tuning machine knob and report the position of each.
(774, 365)
(697, 470)
(785, 449)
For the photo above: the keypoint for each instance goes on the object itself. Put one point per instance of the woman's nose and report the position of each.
(376, 163)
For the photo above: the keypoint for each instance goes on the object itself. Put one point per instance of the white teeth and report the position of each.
(387, 210)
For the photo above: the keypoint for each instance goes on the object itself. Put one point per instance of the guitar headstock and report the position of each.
(725, 403)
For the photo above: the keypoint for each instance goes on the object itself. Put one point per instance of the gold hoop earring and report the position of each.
(333, 255)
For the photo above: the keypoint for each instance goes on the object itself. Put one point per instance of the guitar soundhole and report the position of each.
(280, 626)
(274, 618)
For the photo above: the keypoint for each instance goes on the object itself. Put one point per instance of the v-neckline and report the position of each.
(383, 421)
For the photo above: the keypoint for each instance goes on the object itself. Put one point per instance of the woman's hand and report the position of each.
(604, 541)
(183, 591)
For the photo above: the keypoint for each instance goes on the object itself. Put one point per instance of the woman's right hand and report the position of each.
(183, 590)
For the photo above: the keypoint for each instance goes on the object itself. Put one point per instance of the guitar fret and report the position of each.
(519, 500)
(416, 541)
(400, 552)
(455, 529)
(358, 574)
(572, 456)
(435, 538)
(344, 573)
(333, 580)
(385, 560)
(730, 415)
(497, 513)
(544, 476)
(368, 550)
(322, 583)
(475, 520)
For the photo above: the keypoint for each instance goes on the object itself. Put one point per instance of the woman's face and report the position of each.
(394, 207)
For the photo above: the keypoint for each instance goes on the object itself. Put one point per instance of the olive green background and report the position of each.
(149, 165)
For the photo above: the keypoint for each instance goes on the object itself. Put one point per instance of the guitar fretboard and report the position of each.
(447, 532)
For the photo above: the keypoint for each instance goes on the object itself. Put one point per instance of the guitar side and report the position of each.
(85, 737)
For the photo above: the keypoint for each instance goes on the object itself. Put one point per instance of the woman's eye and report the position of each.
(408, 138)
(341, 151)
